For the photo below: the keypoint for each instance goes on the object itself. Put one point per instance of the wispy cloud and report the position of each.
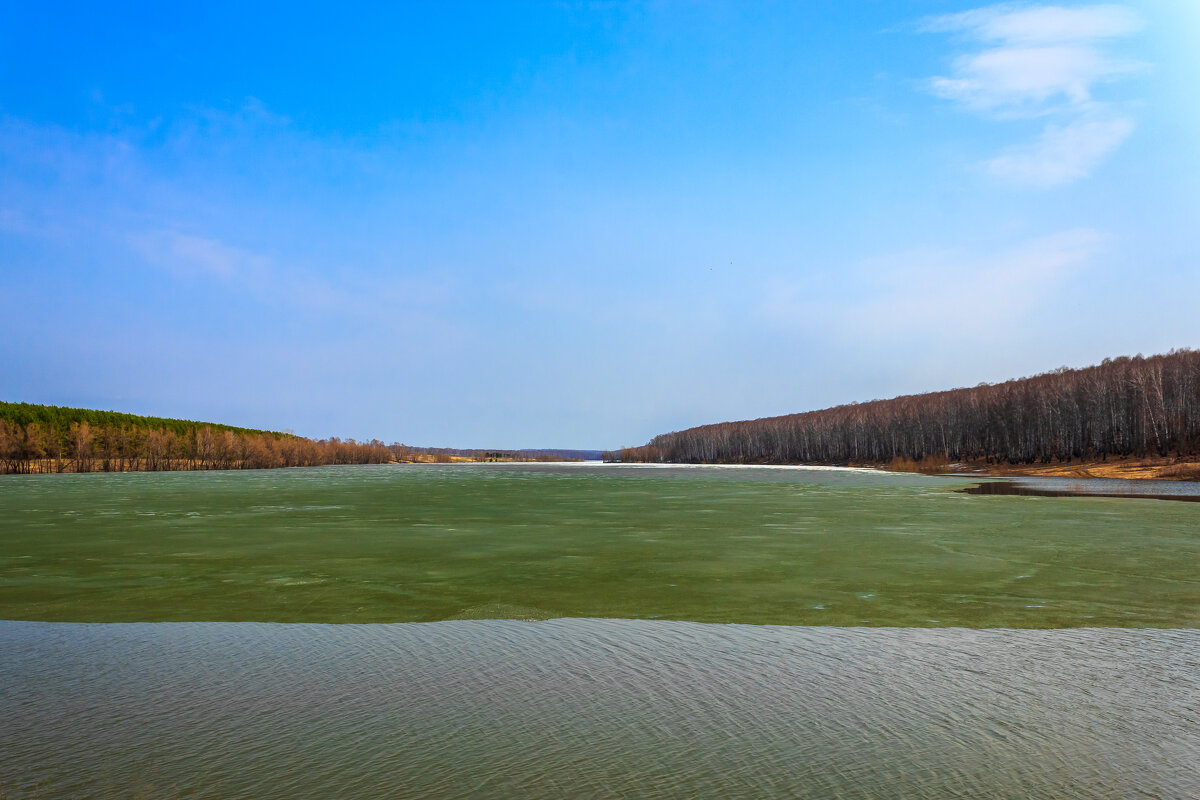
(900, 293)
(1062, 154)
(189, 255)
(1015, 23)
(322, 291)
(1022, 81)
(1034, 61)
(171, 196)
(966, 286)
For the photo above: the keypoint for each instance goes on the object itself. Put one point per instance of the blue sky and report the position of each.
(582, 224)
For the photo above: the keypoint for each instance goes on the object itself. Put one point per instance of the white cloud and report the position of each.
(1027, 81)
(185, 254)
(1062, 154)
(1017, 24)
(938, 290)
(402, 302)
(913, 288)
(1033, 61)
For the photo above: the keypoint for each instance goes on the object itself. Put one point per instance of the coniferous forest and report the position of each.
(1139, 406)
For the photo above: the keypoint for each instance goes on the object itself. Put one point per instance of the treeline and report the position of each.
(523, 454)
(1123, 407)
(62, 417)
(448, 455)
(37, 438)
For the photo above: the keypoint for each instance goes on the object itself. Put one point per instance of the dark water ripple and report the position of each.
(595, 708)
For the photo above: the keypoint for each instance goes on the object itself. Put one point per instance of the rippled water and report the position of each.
(595, 708)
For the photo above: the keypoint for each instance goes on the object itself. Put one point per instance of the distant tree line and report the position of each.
(446, 455)
(38, 438)
(1123, 407)
(35, 438)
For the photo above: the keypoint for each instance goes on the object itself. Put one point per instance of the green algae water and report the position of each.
(868, 636)
(419, 543)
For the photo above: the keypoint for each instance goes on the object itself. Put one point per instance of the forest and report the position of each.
(1128, 406)
(37, 438)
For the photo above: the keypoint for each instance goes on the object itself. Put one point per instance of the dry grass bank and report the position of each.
(1146, 468)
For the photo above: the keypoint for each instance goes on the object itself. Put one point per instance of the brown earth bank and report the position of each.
(46, 466)
(1169, 468)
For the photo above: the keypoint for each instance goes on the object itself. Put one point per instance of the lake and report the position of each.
(420, 543)
(592, 631)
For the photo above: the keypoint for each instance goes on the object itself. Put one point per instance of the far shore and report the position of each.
(1121, 468)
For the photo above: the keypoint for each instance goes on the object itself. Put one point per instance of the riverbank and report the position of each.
(1147, 468)
(1172, 468)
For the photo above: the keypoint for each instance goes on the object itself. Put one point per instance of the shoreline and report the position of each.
(1151, 469)
(1169, 469)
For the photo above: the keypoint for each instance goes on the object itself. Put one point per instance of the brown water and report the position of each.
(595, 708)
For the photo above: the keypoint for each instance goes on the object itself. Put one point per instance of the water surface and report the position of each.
(918, 706)
(789, 546)
(595, 708)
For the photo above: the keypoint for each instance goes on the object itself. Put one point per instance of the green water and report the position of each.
(432, 542)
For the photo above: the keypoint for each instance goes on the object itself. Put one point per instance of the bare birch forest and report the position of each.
(1123, 407)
